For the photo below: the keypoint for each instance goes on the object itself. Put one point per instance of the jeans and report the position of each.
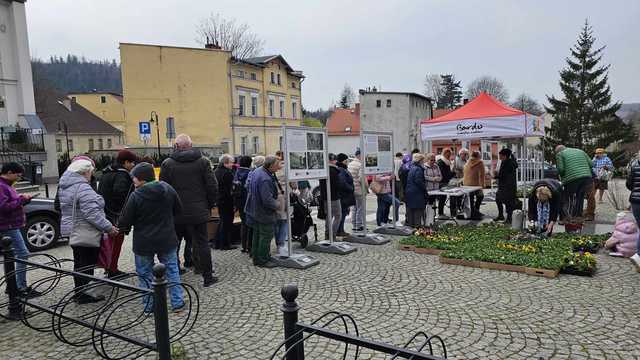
(281, 231)
(345, 212)
(261, 247)
(635, 208)
(196, 234)
(20, 251)
(336, 216)
(574, 193)
(144, 268)
(357, 214)
(384, 203)
(245, 233)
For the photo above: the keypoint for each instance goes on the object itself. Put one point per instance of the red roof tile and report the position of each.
(344, 122)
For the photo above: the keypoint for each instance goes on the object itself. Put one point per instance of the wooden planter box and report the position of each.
(417, 250)
(505, 267)
(572, 271)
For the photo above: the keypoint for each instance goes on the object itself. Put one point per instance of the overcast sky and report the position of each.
(389, 44)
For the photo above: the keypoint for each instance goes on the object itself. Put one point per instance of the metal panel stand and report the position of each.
(367, 239)
(336, 247)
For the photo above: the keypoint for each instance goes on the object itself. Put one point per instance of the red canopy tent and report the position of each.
(483, 117)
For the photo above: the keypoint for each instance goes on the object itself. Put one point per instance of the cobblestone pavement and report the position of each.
(480, 314)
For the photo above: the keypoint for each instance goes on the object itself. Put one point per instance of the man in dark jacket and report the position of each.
(347, 196)
(190, 174)
(261, 208)
(444, 163)
(224, 177)
(150, 210)
(336, 187)
(507, 185)
(115, 186)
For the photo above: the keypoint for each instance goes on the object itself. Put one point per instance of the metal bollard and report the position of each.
(14, 307)
(160, 312)
(294, 345)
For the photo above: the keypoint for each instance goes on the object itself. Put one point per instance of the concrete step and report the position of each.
(21, 184)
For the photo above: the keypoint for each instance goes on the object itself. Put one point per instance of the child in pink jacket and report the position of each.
(624, 237)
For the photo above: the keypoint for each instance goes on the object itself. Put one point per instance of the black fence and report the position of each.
(296, 333)
(117, 328)
(21, 139)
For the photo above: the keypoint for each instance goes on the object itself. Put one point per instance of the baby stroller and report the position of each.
(301, 221)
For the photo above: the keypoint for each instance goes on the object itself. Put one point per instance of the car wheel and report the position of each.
(41, 232)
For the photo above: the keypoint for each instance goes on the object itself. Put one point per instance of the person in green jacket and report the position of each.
(574, 169)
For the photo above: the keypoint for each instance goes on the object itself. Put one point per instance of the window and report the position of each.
(73, 98)
(70, 145)
(100, 144)
(243, 145)
(103, 99)
(280, 142)
(256, 144)
(240, 74)
(58, 145)
(90, 144)
(241, 105)
(2, 105)
(109, 143)
(378, 103)
(293, 84)
(388, 102)
(282, 108)
(294, 110)
(273, 77)
(271, 105)
(254, 106)
(279, 79)
(253, 76)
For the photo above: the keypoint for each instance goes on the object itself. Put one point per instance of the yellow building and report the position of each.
(216, 99)
(107, 105)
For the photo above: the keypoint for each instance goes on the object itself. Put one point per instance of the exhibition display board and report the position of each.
(306, 158)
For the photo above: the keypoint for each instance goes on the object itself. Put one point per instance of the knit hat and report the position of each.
(342, 157)
(143, 172)
(332, 157)
(126, 155)
(357, 151)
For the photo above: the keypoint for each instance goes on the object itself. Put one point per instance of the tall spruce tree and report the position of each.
(585, 117)
(451, 92)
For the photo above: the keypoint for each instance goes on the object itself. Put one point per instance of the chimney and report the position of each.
(357, 109)
(465, 101)
(211, 44)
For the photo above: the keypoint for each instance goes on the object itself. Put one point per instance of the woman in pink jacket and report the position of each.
(624, 237)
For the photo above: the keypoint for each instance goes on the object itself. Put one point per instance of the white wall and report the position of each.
(343, 144)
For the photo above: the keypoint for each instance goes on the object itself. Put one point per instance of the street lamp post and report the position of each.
(151, 120)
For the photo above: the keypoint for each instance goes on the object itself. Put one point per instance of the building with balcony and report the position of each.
(236, 105)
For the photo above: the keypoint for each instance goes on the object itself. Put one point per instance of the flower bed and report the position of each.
(498, 244)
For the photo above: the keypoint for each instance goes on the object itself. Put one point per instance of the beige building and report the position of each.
(108, 106)
(218, 100)
(73, 128)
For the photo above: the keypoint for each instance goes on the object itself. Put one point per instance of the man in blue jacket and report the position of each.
(261, 208)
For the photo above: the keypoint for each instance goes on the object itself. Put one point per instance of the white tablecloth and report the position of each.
(463, 191)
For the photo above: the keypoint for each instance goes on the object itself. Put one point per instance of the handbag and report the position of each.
(83, 234)
(106, 252)
(604, 174)
(376, 187)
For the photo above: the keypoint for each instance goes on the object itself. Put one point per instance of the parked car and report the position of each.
(42, 230)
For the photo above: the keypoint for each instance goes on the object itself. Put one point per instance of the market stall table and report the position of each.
(457, 191)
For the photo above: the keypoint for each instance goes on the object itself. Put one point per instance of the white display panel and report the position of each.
(306, 156)
(377, 153)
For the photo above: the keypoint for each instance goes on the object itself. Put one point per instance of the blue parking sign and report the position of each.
(144, 127)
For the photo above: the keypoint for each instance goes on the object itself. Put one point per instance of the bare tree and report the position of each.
(433, 87)
(527, 104)
(229, 35)
(347, 97)
(489, 84)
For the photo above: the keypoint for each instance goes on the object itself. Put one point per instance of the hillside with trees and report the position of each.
(77, 74)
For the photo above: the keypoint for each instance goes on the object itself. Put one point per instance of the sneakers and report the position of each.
(29, 293)
(635, 260)
(179, 309)
(84, 298)
(499, 218)
(269, 265)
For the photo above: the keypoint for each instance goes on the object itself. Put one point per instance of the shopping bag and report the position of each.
(106, 252)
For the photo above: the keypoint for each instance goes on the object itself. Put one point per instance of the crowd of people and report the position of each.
(171, 210)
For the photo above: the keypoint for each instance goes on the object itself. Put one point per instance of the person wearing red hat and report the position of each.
(115, 187)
